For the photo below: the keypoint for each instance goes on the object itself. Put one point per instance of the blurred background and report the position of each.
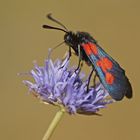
(116, 26)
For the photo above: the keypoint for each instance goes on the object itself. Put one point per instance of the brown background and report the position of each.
(116, 26)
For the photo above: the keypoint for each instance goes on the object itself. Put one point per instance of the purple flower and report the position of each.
(57, 84)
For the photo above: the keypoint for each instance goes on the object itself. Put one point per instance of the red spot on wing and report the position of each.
(87, 49)
(93, 48)
(109, 78)
(105, 64)
(101, 65)
(90, 48)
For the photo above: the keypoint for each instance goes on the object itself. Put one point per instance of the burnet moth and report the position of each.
(109, 72)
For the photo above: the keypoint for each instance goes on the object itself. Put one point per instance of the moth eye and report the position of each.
(68, 38)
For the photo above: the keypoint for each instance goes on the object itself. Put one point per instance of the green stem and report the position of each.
(53, 124)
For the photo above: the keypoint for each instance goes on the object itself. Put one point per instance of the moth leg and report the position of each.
(80, 67)
(94, 80)
(79, 56)
(89, 79)
(70, 54)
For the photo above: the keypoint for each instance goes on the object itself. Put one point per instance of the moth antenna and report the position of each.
(49, 16)
(51, 27)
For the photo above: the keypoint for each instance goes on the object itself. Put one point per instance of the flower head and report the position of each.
(57, 84)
